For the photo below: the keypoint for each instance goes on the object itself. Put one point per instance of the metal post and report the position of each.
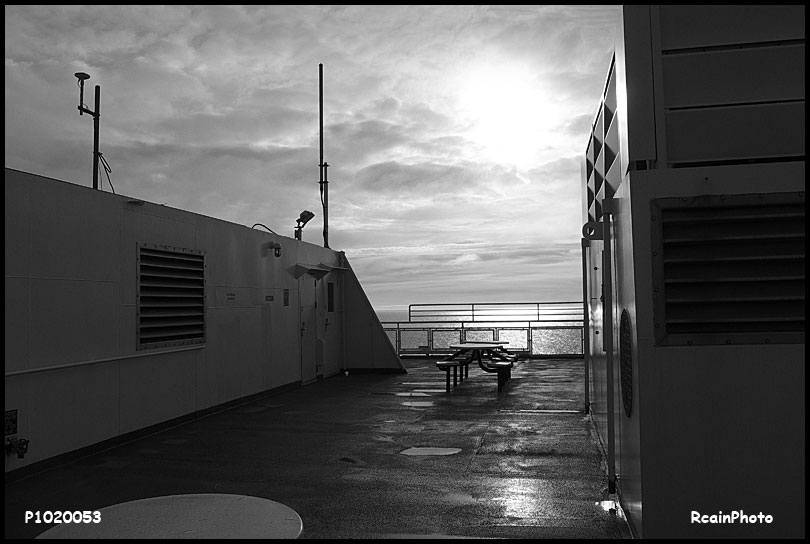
(325, 205)
(586, 346)
(607, 306)
(96, 116)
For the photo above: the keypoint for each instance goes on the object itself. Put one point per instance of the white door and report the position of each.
(331, 314)
(307, 302)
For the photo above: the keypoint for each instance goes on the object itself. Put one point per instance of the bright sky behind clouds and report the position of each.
(454, 134)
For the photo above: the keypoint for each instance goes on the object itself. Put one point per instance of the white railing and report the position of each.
(536, 329)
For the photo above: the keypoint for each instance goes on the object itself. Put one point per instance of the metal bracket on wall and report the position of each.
(593, 230)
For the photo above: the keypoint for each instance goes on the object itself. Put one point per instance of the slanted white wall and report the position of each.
(368, 347)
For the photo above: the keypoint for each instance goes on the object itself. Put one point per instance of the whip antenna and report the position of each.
(324, 183)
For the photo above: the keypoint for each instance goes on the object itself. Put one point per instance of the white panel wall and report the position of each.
(728, 133)
(722, 427)
(63, 410)
(155, 389)
(72, 368)
(367, 345)
(689, 26)
(710, 101)
(628, 283)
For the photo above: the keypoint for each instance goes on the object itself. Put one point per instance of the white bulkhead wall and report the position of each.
(74, 373)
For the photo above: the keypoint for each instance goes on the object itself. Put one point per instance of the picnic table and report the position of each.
(491, 356)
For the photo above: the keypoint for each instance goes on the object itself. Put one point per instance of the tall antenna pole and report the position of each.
(82, 77)
(96, 116)
(324, 184)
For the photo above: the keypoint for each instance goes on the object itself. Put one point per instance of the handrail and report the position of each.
(532, 337)
(491, 311)
(541, 329)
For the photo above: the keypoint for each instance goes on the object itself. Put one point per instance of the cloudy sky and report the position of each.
(453, 134)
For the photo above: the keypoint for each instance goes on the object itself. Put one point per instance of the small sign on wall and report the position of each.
(11, 422)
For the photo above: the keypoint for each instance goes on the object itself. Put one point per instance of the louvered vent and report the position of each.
(729, 269)
(626, 362)
(171, 296)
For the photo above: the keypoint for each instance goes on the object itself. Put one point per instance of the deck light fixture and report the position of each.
(302, 220)
(275, 246)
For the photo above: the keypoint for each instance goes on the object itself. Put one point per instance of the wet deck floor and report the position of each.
(523, 463)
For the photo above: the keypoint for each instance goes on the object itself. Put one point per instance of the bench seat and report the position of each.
(502, 368)
(447, 366)
(498, 362)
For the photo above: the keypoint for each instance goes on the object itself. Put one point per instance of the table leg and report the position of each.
(496, 353)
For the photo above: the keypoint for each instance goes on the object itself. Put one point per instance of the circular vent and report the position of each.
(626, 362)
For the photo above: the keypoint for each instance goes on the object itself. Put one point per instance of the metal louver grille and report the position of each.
(626, 362)
(729, 269)
(171, 296)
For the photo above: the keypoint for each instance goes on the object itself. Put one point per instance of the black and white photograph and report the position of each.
(404, 271)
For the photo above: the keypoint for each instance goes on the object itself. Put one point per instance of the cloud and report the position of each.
(214, 109)
(520, 272)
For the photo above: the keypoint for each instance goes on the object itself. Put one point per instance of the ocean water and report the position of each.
(392, 315)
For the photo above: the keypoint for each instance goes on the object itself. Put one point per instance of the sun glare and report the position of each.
(509, 113)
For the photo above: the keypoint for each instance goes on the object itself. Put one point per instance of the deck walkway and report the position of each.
(528, 467)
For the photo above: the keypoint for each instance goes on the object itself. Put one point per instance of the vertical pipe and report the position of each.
(96, 116)
(607, 278)
(586, 346)
(300, 334)
(343, 322)
(325, 206)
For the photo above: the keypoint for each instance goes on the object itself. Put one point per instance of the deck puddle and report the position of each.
(430, 451)
(418, 404)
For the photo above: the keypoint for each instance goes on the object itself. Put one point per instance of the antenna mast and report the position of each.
(82, 77)
(324, 184)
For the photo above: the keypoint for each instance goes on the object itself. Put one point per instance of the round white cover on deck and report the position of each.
(188, 516)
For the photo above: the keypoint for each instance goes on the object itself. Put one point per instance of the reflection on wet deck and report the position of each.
(522, 463)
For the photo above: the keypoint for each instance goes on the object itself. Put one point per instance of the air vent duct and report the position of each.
(729, 269)
(626, 362)
(171, 296)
